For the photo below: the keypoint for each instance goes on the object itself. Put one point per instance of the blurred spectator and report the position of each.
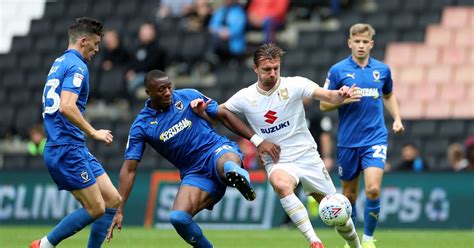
(37, 141)
(113, 54)
(456, 157)
(174, 8)
(469, 145)
(198, 18)
(411, 159)
(148, 56)
(250, 153)
(227, 28)
(268, 15)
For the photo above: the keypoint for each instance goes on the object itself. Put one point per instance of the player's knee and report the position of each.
(180, 218)
(115, 201)
(96, 210)
(372, 192)
(282, 188)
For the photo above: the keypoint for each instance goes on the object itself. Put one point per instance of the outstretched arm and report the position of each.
(332, 99)
(126, 179)
(391, 104)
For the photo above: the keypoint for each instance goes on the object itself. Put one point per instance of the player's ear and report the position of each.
(147, 91)
(349, 43)
(255, 68)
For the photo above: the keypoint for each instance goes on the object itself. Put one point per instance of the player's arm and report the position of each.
(127, 177)
(391, 104)
(237, 126)
(332, 99)
(69, 109)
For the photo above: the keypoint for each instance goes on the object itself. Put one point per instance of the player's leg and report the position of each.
(68, 166)
(350, 189)
(284, 183)
(349, 168)
(112, 202)
(229, 160)
(373, 180)
(189, 201)
(373, 162)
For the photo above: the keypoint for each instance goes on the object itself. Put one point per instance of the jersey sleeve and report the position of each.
(234, 102)
(307, 87)
(74, 79)
(388, 84)
(135, 143)
(332, 82)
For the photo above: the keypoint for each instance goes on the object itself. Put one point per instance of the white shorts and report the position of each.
(310, 171)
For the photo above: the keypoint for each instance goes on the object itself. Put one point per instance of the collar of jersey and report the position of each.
(270, 92)
(355, 65)
(152, 110)
(77, 53)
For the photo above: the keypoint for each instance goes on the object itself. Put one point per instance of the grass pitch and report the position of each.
(130, 237)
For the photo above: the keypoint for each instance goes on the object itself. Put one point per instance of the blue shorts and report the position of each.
(72, 167)
(208, 179)
(351, 160)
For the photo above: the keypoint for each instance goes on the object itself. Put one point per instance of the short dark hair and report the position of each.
(267, 51)
(153, 75)
(84, 26)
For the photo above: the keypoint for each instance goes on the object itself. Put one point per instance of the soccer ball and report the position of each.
(335, 209)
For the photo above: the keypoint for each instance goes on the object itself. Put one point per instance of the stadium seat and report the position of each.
(426, 55)
(383, 38)
(463, 109)
(453, 55)
(428, 18)
(379, 21)
(438, 109)
(13, 80)
(439, 74)
(413, 34)
(8, 61)
(103, 9)
(30, 61)
(335, 39)
(438, 5)
(54, 9)
(411, 109)
(464, 74)
(426, 92)
(46, 44)
(227, 76)
(78, 8)
(320, 59)
(399, 54)
(455, 17)
(402, 91)
(308, 39)
(36, 163)
(464, 37)
(21, 44)
(126, 9)
(402, 20)
(452, 128)
(40, 27)
(437, 35)
(470, 92)
(452, 92)
(193, 47)
(412, 75)
(15, 161)
(390, 6)
(295, 58)
(26, 117)
(423, 129)
(348, 19)
(436, 147)
(7, 119)
(111, 85)
(415, 6)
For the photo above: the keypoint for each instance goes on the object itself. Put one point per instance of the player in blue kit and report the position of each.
(70, 164)
(208, 162)
(362, 137)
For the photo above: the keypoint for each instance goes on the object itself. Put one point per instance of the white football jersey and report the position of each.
(278, 115)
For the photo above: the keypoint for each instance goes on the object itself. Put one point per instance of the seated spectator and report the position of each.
(411, 159)
(147, 56)
(174, 8)
(113, 54)
(37, 141)
(227, 28)
(469, 145)
(456, 157)
(267, 15)
(198, 18)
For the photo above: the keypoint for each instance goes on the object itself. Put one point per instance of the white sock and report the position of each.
(298, 214)
(366, 237)
(45, 243)
(348, 232)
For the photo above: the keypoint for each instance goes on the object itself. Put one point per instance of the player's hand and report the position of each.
(116, 222)
(352, 94)
(103, 135)
(198, 105)
(398, 126)
(268, 148)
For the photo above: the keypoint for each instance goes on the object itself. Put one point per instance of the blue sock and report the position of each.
(69, 225)
(354, 213)
(232, 166)
(371, 216)
(188, 229)
(100, 227)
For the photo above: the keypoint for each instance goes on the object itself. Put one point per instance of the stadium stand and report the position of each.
(428, 44)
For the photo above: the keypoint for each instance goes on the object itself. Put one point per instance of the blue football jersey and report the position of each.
(178, 134)
(361, 123)
(68, 72)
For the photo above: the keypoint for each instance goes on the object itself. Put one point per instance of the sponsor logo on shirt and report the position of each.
(275, 128)
(271, 117)
(77, 79)
(175, 129)
(370, 92)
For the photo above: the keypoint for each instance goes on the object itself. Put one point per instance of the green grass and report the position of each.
(130, 237)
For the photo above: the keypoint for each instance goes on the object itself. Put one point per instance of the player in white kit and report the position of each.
(274, 108)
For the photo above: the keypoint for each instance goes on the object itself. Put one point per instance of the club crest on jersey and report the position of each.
(85, 177)
(283, 93)
(179, 105)
(271, 117)
(376, 75)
